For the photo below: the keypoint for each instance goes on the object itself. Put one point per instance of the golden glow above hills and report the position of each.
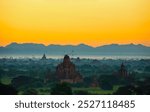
(93, 22)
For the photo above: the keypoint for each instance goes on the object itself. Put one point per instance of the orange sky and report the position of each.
(93, 22)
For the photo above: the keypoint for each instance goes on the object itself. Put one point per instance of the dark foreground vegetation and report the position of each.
(36, 76)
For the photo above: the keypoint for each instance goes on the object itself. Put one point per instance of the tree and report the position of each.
(61, 89)
(126, 90)
(24, 82)
(81, 92)
(1, 73)
(7, 90)
(30, 92)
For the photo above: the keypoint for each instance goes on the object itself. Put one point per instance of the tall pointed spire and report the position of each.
(123, 72)
(44, 57)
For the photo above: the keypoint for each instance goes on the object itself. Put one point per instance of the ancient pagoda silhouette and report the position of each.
(66, 71)
(43, 57)
(123, 71)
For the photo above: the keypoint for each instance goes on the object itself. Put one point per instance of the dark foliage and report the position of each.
(141, 88)
(7, 90)
(24, 82)
(126, 90)
(61, 89)
(107, 81)
(81, 92)
(30, 92)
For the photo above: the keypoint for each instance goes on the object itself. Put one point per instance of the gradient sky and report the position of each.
(93, 22)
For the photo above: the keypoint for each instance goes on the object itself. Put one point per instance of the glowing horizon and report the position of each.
(92, 22)
(74, 44)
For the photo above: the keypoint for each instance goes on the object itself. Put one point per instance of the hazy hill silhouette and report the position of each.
(81, 49)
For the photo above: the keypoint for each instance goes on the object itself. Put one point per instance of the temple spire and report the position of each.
(44, 57)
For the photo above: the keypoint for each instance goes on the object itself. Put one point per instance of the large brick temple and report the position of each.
(66, 71)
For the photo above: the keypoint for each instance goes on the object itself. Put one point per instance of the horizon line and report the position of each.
(74, 44)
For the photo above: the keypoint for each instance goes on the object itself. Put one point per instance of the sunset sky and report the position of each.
(93, 22)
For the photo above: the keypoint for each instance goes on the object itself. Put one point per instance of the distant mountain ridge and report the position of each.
(81, 49)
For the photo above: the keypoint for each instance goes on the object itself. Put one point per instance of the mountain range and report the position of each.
(81, 49)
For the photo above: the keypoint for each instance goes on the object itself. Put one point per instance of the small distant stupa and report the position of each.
(44, 57)
(66, 71)
(123, 71)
